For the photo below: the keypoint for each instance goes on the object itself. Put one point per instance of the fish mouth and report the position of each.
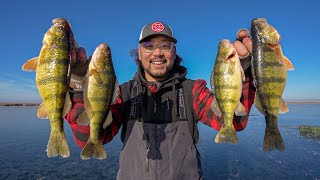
(260, 23)
(62, 24)
(233, 54)
(61, 21)
(58, 20)
(228, 49)
(259, 20)
(273, 45)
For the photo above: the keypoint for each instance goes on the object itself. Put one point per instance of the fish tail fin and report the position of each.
(57, 144)
(92, 150)
(273, 140)
(227, 135)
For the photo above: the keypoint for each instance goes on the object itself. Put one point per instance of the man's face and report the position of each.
(157, 57)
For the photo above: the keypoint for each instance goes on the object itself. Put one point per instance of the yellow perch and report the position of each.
(269, 67)
(100, 89)
(226, 84)
(52, 68)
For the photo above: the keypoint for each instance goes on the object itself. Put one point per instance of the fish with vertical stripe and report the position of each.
(52, 79)
(226, 84)
(100, 89)
(269, 67)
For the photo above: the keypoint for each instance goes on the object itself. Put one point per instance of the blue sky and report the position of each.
(198, 26)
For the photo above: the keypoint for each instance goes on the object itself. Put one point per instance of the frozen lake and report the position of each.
(23, 140)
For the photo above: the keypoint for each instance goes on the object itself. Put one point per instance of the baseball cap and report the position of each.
(156, 28)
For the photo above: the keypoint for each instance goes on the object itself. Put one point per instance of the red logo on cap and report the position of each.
(157, 27)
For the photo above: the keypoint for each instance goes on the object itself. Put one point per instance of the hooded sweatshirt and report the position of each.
(161, 102)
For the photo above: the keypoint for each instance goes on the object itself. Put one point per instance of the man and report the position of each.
(159, 109)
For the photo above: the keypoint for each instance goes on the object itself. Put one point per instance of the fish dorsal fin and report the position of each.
(212, 83)
(86, 102)
(213, 90)
(83, 119)
(115, 96)
(243, 76)
(240, 110)
(30, 65)
(108, 120)
(116, 91)
(254, 76)
(283, 108)
(215, 107)
(42, 111)
(287, 63)
(67, 105)
(258, 105)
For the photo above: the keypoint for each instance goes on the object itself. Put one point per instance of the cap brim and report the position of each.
(172, 39)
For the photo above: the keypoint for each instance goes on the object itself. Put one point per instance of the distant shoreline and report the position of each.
(303, 102)
(19, 104)
(37, 104)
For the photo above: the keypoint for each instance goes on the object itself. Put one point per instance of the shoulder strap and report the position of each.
(134, 100)
(181, 104)
(192, 120)
(134, 89)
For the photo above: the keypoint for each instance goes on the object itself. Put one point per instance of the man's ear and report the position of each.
(175, 52)
(139, 53)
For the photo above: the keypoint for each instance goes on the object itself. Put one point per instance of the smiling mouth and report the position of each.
(158, 62)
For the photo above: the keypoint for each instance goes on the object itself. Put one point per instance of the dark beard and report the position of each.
(157, 75)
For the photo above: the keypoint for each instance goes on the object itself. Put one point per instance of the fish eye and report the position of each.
(61, 27)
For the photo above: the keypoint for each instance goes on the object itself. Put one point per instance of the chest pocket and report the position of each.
(164, 107)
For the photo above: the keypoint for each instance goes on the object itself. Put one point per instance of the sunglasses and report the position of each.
(149, 47)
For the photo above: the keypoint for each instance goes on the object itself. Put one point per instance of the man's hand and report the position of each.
(79, 66)
(243, 46)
